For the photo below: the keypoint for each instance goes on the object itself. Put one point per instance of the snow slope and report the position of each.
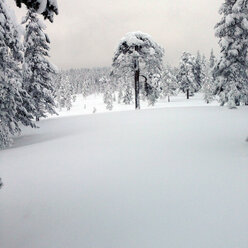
(169, 177)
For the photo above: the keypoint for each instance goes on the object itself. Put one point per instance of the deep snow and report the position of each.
(156, 178)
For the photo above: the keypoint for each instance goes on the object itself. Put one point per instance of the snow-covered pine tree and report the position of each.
(128, 94)
(212, 63)
(108, 99)
(38, 71)
(207, 81)
(153, 89)
(13, 98)
(198, 71)
(169, 83)
(186, 74)
(57, 87)
(231, 69)
(45, 7)
(125, 90)
(108, 93)
(136, 55)
(212, 59)
(120, 95)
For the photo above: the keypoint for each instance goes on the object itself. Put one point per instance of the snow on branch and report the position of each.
(45, 7)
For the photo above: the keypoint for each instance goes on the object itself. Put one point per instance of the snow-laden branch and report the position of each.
(45, 7)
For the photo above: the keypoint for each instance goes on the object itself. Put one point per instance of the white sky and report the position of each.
(86, 33)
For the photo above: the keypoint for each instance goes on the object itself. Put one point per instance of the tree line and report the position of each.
(30, 87)
(193, 74)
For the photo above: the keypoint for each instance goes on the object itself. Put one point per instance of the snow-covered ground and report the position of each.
(87, 105)
(164, 177)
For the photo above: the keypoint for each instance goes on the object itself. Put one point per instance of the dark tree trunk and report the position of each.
(168, 98)
(237, 102)
(187, 94)
(136, 83)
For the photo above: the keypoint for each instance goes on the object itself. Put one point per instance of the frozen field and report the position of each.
(157, 178)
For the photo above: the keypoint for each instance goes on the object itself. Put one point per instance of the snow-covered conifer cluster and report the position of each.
(25, 81)
(231, 69)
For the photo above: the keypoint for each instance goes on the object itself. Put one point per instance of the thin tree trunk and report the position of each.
(136, 83)
(168, 98)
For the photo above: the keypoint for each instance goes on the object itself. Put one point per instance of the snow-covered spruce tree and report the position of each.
(207, 81)
(128, 94)
(136, 55)
(13, 98)
(186, 74)
(108, 99)
(198, 71)
(169, 83)
(120, 95)
(125, 90)
(231, 69)
(212, 63)
(153, 89)
(108, 93)
(57, 87)
(45, 7)
(212, 59)
(38, 71)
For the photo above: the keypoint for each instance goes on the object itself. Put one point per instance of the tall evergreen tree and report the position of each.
(13, 98)
(231, 69)
(207, 81)
(212, 59)
(186, 74)
(198, 71)
(169, 83)
(128, 94)
(38, 71)
(108, 93)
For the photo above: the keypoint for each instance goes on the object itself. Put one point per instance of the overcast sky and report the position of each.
(86, 33)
